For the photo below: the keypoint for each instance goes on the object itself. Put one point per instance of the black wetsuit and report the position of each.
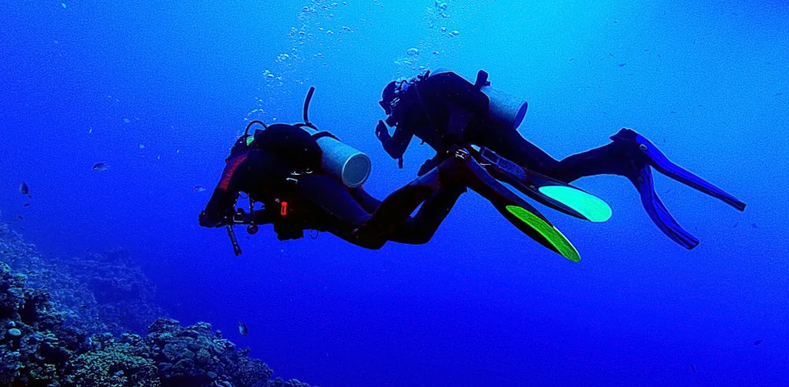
(281, 169)
(444, 110)
(458, 114)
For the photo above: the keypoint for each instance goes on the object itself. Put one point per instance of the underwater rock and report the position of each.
(96, 292)
(54, 336)
(35, 346)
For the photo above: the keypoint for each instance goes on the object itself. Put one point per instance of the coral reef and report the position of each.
(65, 340)
(97, 292)
(34, 345)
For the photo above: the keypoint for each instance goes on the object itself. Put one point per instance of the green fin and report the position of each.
(590, 206)
(550, 233)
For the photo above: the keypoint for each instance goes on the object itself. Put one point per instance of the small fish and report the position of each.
(101, 167)
(242, 328)
(754, 225)
(623, 64)
(26, 205)
(693, 368)
(757, 342)
(24, 189)
(777, 94)
(199, 188)
(736, 224)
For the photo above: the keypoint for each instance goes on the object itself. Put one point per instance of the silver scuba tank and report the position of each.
(340, 160)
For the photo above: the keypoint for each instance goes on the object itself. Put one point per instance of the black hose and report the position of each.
(246, 131)
(307, 106)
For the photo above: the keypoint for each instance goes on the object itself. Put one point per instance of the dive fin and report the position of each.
(658, 212)
(556, 240)
(659, 161)
(553, 193)
(519, 212)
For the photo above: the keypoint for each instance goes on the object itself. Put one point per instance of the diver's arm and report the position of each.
(235, 178)
(395, 145)
(225, 194)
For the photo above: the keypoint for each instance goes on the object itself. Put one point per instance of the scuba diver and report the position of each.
(445, 110)
(307, 179)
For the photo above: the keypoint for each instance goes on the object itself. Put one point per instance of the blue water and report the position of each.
(160, 90)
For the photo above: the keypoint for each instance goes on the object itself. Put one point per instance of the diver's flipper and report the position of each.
(546, 190)
(532, 224)
(659, 161)
(658, 212)
(517, 211)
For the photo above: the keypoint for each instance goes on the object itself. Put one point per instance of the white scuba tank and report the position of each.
(343, 161)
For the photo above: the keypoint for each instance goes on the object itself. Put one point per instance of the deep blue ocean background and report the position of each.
(161, 89)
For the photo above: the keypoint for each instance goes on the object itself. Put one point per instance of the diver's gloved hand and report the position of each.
(205, 221)
(382, 132)
(219, 221)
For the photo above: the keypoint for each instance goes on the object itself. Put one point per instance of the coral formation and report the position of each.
(57, 341)
(97, 292)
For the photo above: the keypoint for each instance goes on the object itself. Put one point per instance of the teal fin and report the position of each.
(518, 211)
(548, 191)
(591, 207)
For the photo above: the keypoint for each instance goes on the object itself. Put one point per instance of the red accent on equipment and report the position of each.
(230, 169)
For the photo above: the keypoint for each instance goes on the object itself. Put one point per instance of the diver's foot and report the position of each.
(636, 148)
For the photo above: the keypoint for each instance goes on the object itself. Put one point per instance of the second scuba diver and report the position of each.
(306, 179)
(445, 111)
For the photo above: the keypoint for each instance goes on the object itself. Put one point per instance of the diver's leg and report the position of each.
(345, 212)
(396, 208)
(333, 197)
(508, 143)
(421, 228)
(610, 159)
(367, 201)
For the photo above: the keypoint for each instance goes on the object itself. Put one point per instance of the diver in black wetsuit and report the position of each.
(445, 110)
(281, 168)
(308, 179)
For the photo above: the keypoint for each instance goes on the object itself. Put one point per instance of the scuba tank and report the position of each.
(339, 160)
(504, 107)
(342, 161)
